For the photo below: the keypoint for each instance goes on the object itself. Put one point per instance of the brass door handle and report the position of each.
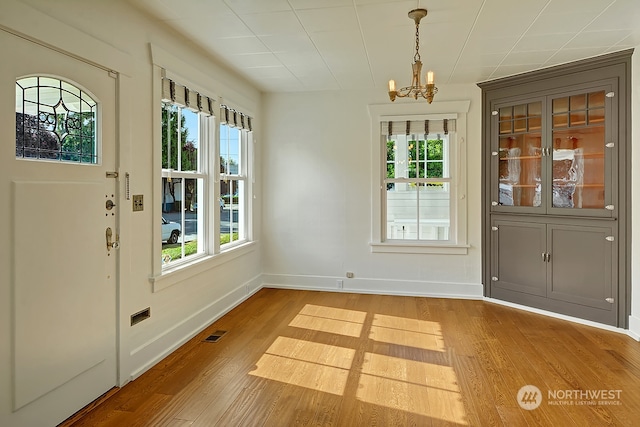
(110, 243)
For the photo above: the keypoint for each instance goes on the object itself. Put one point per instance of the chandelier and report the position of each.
(416, 89)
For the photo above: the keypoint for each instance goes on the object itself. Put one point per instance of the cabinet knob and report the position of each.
(494, 228)
(609, 207)
(609, 300)
(609, 238)
(494, 203)
(494, 279)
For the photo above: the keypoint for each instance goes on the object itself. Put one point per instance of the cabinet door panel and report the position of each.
(580, 160)
(517, 157)
(518, 249)
(580, 269)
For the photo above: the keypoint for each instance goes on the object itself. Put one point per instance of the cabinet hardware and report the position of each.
(610, 145)
(494, 153)
(112, 174)
(544, 257)
(548, 257)
(494, 279)
(609, 207)
(609, 300)
(494, 228)
(609, 238)
(610, 94)
(494, 113)
(494, 203)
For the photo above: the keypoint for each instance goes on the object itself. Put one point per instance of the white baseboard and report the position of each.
(558, 316)
(374, 286)
(148, 354)
(634, 327)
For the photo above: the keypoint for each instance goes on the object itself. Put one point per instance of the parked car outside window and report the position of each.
(170, 231)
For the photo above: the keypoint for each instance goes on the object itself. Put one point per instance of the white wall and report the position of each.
(317, 198)
(113, 34)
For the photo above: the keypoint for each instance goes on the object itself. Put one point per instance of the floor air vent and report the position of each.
(216, 336)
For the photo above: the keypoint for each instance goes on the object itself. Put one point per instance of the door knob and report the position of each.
(110, 243)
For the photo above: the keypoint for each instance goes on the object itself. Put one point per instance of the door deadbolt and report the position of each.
(110, 243)
(109, 204)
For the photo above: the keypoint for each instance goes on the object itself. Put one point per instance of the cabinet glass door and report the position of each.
(578, 155)
(520, 155)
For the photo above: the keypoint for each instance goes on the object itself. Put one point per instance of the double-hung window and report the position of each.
(418, 182)
(419, 186)
(234, 158)
(187, 135)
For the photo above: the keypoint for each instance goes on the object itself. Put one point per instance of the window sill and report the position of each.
(182, 272)
(420, 248)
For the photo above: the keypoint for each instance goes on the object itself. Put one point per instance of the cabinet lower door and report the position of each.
(580, 266)
(518, 257)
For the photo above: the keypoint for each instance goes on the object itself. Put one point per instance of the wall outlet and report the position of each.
(339, 283)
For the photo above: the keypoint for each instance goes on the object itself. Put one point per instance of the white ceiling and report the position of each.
(295, 45)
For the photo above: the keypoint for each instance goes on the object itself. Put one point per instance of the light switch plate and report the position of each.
(138, 202)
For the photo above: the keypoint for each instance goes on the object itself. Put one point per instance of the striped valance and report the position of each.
(187, 98)
(235, 118)
(418, 127)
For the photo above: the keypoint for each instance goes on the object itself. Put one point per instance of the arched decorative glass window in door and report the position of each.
(56, 121)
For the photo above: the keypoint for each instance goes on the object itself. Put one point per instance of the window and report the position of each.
(418, 187)
(418, 184)
(187, 135)
(234, 145)
(55, 120)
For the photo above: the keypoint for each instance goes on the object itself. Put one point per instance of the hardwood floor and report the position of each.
(330, 359)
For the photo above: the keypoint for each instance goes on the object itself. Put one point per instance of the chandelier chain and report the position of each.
(416, 57)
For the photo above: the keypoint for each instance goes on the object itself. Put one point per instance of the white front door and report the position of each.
(61, 290)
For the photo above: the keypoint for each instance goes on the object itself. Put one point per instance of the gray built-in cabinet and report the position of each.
(556, 187)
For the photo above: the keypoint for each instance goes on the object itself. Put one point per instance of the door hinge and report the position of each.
(112, 174)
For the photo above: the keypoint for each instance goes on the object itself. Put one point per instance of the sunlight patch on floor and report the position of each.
(407, 332)
(418, 387)
(306, 364)
(330, 319)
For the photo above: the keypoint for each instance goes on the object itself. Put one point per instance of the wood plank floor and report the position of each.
(330, 359)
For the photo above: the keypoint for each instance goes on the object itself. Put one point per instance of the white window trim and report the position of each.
(164, 278)
(410, 111)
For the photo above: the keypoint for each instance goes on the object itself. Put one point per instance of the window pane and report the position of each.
(402, 212)
(232, 211)
(55, 121)
(434, 210)
(190, 141)
(229, 150)
(170, 136)
(181, 235)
